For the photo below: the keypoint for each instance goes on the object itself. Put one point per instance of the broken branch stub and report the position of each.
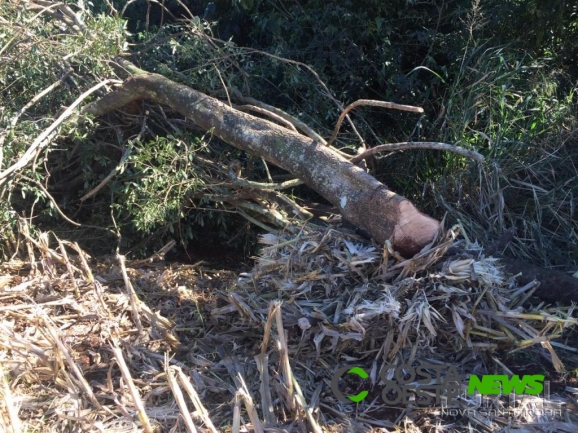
(361, 199)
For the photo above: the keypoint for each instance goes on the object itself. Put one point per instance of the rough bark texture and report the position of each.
(360, 198)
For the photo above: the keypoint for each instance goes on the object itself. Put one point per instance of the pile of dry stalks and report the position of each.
(117, 346)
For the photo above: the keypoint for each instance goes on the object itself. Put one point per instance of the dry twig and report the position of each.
(391, 147)
(372, 103)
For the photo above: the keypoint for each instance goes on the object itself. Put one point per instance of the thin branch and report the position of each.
(269, 178)
(264, 186)
(129, 382)
(63, 13)
(120, 165)
(296, 63)
(267, 190)
(224, 85)
(62, 214)
(179, 397)
(45, 8)
(274, 216)
(65, 9)
(109, 177)
(268, 113)
(159, 255)
(127, 4)
(372, 103)
(302, 212)
(44, 138)
(187, 9)
(432, 145)
(12, 123)
(298, 124)
(257, 222)
(134, 300)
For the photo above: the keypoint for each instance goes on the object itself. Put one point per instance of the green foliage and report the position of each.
(478, 68)
(155, 186)
(542, 29)
(35, 54)
(498, 77)
(8, 223)
(510, 98)
(38, 51)
(509, 107)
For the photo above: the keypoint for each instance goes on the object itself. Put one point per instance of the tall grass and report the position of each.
(510, 108)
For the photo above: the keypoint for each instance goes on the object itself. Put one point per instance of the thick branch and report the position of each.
(360, 198)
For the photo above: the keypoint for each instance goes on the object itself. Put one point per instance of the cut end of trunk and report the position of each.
(413, 231)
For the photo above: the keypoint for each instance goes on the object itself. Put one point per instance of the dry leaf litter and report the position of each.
(121, 346)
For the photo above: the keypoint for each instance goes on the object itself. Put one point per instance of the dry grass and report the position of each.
(136, 346)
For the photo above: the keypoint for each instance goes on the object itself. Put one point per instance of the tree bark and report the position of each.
(360, 198)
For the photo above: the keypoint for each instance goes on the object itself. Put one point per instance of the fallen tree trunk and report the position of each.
(360, 198)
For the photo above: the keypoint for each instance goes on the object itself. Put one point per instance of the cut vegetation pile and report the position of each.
(119, 346)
